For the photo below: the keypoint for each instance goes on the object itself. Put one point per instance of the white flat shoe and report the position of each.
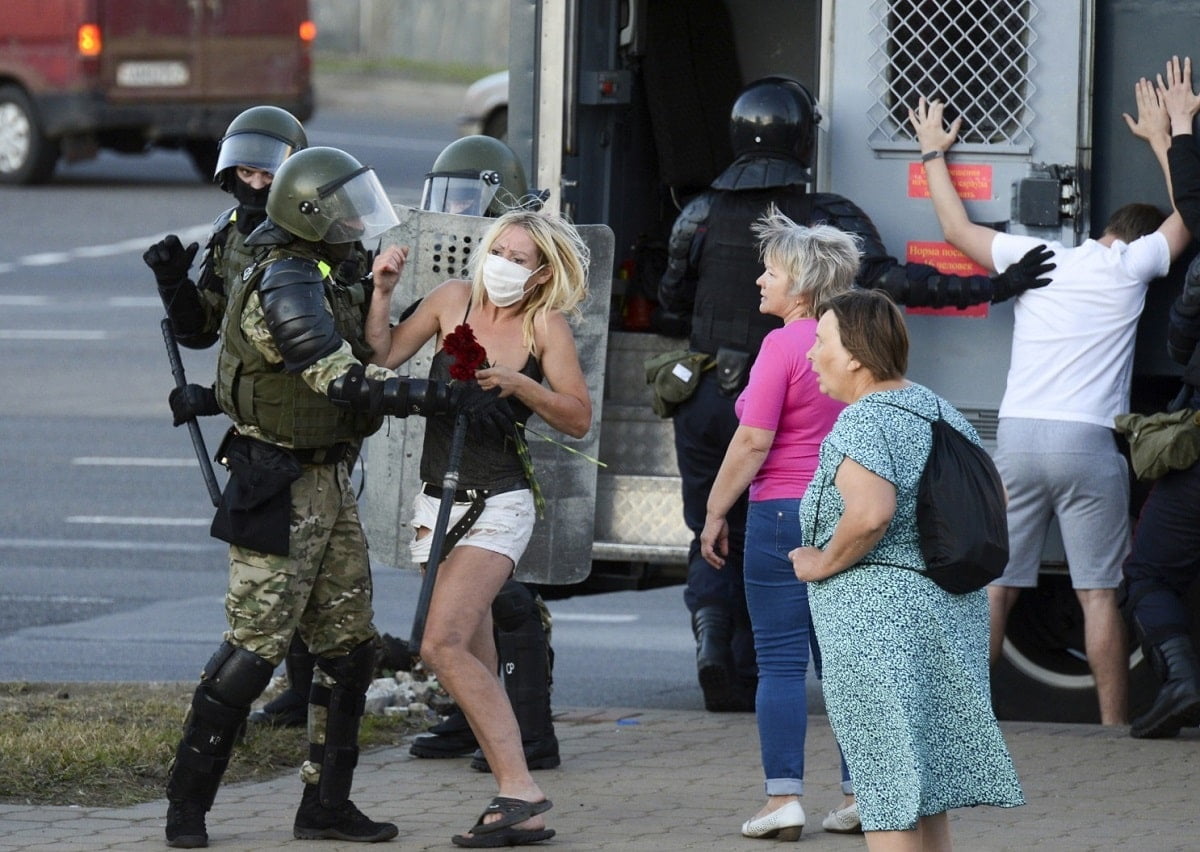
(843, 820)
(785, 823)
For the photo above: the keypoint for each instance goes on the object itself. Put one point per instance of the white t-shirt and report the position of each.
(1072, 346)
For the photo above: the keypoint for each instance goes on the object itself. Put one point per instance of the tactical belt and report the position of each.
(470, 495)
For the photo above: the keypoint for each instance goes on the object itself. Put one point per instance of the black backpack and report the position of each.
(961, 515)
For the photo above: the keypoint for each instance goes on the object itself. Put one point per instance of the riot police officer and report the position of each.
(481, 176)
(291, 376)
(709, 287)
(255, 144)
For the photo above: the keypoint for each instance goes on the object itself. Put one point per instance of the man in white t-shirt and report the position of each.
(1072, 357)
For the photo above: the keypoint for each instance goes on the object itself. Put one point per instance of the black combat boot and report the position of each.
(1177, 704)
(713, 628)
(185, 824)
(450, 738)
(344, 821)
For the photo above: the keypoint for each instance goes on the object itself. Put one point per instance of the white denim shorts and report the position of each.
(504, 527)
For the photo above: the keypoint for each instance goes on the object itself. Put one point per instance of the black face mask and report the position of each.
(252, 200)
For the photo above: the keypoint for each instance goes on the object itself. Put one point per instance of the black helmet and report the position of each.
(324, 194)
(261, 137)
(477, 176)
(774, 115)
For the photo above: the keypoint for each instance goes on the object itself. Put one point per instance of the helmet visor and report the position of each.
(256, 150)
(357, 209)
(464, 193)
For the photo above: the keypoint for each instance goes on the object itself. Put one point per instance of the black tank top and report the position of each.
(488, 462)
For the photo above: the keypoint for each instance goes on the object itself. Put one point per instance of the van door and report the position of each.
(1007, 69)
(254, 51)
(151, 49)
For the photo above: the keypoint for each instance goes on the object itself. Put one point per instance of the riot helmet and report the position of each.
(325, 195)
(477, 176)
(774, 115)
(261, 137)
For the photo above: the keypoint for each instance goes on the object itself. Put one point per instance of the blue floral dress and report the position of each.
(906, 663)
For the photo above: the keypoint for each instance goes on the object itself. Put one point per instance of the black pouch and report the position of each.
(256, 506)
(733, 370)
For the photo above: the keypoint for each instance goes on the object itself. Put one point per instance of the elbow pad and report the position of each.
(293, 302)
(394, 396)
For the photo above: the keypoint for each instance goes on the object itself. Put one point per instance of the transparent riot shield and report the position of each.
(440, 247)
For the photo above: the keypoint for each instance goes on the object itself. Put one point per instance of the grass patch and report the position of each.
(109, 745)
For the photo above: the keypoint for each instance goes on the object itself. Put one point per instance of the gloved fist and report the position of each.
(1028, 273)
(485, 410)
(1189, 299)
(192, 401)
(169, 260)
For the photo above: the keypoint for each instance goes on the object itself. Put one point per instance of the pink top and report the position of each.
(782, 396)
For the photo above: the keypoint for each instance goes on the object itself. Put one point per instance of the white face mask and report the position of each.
(504, 280)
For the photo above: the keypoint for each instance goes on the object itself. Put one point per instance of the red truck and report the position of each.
(80, 75)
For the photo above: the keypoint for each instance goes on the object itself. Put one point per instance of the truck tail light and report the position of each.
(88, 40)
(308, 31)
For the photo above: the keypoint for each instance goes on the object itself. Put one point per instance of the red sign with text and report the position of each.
(972, 180)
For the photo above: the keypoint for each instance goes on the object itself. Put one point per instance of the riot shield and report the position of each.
(560, 552)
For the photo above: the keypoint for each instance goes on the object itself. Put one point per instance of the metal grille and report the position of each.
(975, 55)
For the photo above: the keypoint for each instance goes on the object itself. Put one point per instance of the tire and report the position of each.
(1042, 674)
(27, 156)
(203, 153)
(497, 124)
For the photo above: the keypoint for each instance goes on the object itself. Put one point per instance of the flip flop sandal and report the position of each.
(512, 811)
(504, 837)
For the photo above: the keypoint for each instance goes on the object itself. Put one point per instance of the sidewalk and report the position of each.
(660, 780)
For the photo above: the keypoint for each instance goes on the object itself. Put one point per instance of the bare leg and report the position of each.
(1000, 604)
(932, 834)
(459, 647)
(1107, 653)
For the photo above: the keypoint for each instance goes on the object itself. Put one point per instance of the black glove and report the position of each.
(191, 401)
(485, 410)
(1028, 273)
(170, 261)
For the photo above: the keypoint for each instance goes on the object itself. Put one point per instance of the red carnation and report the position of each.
(466, 351)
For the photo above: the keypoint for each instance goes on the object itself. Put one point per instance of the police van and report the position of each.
(621, 108)
(80, 75)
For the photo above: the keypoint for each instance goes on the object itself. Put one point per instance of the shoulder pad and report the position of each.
(291, 271)
(222, 221)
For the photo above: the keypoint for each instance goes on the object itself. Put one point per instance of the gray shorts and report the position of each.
(1071, 471)
(504, 527)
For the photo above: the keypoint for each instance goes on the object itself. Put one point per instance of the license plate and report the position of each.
(166, 73)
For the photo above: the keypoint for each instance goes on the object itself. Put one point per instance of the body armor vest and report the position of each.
(726, 309)
(256, 392)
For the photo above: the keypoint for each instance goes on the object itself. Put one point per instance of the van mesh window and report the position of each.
(972, 54)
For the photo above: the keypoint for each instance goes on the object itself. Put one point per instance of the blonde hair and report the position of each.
(560, 248)
(820, 261)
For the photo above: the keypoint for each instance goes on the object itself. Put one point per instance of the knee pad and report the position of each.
(235, 676)
(512, 606)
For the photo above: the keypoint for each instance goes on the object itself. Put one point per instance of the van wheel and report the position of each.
(1042, 674)
(204, 156)
(26, 155)
(497, 124)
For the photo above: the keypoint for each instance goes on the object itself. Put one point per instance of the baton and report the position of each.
(449, 486)
(206, 468)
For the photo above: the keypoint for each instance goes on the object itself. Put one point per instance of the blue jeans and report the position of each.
(778, 605)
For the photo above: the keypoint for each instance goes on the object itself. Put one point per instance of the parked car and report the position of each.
(80, 75)
(485, 107)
